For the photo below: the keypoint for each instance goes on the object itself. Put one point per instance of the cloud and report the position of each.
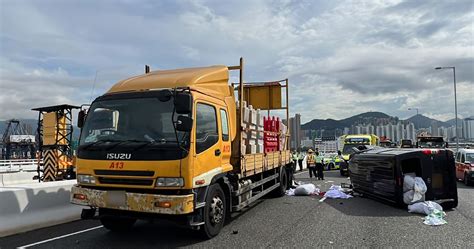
(342, 57)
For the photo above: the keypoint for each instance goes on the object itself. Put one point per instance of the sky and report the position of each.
(342, 58)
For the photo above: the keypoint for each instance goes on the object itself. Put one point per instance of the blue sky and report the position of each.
(342, 57)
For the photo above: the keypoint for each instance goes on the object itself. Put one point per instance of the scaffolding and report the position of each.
(55, 131)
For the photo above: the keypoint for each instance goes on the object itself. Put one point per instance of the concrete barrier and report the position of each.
(31, 206)
(11, 179)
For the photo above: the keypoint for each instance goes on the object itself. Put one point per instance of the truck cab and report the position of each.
(167, 144)
(431, 142)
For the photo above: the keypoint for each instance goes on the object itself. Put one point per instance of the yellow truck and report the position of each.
(170, 144)
(353, 141)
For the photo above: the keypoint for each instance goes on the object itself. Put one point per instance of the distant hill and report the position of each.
(375, 118)
(421, 121)
(330, 124)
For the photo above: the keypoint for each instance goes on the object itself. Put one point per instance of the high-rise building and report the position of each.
(434, 128)
(379, 131)
(295, 130)
(468, 129)
(411, 133)
(346, 131)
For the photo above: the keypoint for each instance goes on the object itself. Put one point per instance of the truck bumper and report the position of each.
(122, 200)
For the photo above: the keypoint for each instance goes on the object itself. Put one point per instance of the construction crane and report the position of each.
(18, 141)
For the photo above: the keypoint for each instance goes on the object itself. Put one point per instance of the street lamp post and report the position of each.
(455, 104)
(412, 109)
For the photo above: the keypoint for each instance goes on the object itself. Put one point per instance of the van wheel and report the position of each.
(466, 180)
(214, 212)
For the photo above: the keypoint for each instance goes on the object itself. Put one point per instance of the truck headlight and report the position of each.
(87, 179)
(169, 182)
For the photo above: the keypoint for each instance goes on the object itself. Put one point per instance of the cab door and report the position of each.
(226, 143)
(208, 152)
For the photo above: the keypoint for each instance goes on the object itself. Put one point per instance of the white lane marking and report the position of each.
(60, 237)
(300, 173)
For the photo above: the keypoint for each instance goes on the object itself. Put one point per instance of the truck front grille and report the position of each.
(121, 181)
(105, 172)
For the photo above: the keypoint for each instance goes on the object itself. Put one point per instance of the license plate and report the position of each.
(116, 198)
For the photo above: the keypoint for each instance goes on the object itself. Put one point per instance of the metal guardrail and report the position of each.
(19, 165)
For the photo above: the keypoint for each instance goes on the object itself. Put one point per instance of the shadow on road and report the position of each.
(159, 234)
(463, 186)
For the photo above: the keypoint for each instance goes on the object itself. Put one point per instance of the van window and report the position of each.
(458, 156)
(412, 165)
(206, 127)
(225, 126)
(463, 159)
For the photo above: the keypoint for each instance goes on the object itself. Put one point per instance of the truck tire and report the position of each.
(117, 224)
(281, 190)
(214, 212)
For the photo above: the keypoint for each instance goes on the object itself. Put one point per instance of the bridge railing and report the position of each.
(19, 165)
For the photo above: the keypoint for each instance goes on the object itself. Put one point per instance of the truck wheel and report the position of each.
(117, 224)
(214, 212)
(281, 190)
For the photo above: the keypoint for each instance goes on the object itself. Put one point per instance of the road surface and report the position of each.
(289, 221)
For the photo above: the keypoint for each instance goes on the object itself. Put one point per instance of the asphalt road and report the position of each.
(289, 221)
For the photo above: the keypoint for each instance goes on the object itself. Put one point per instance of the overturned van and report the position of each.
(379, 173)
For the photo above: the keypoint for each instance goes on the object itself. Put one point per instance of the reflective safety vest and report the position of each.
(311, 160)
(319, 159)
(300, 156)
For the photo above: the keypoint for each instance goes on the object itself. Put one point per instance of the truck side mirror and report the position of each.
(183, 103)
(80, 118)
(184, 123)
(164, 95)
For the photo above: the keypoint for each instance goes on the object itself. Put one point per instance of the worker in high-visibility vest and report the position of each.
(320, 166)
(310, 160)
(300, 159)
(294, 158)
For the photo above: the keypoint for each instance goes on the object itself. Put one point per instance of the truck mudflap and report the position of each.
(122, 200)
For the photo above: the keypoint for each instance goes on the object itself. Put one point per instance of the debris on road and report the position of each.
(434, 211)
(425, 207)
(336, 192)
(436, 218)
(414, 189)
(303, 190)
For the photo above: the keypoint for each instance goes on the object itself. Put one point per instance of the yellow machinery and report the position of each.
(168, 144)
(54, 145)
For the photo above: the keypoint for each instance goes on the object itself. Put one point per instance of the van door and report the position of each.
(208, 144)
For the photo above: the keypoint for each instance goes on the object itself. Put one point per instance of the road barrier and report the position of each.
(11, 179)
(31, 206)
(19, 165)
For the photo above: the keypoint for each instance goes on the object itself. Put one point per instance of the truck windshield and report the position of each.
(135, 120)
(431, 143)
(347, 149)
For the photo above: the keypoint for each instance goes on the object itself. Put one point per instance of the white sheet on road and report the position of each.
(336, 192)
